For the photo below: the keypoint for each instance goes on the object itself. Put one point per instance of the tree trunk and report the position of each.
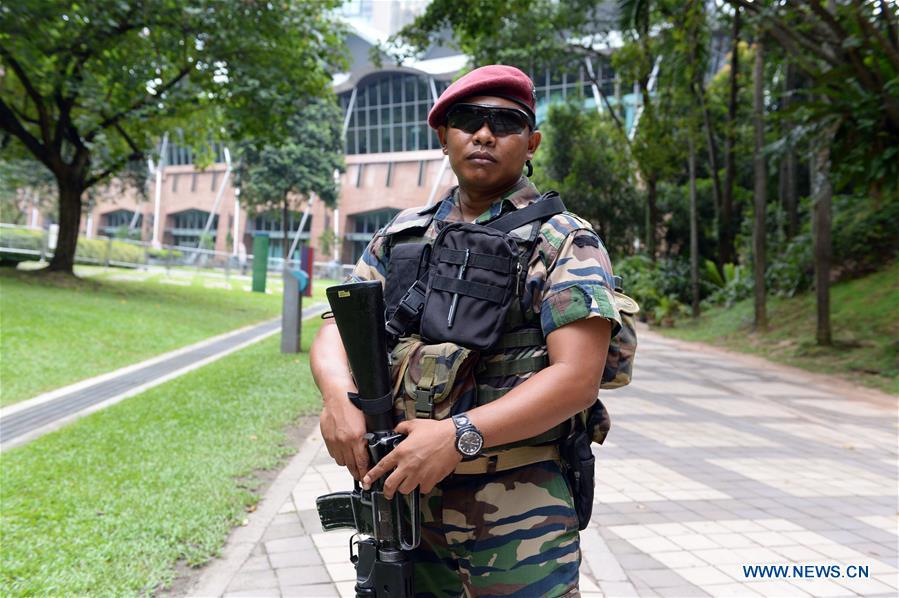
(758, 230)
(821, 225)
(71, 188)
(694, 226)
(652, 217)
(790, 182)
(712, 147)
(726, 251)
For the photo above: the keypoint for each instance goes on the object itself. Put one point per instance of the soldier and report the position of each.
(497, 513)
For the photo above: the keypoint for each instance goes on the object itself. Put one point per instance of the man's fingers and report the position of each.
(407, 487)
(360, 458)
(393, 481)
(386, 464)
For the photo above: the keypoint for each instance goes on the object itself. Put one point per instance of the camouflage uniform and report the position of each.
(514, 531)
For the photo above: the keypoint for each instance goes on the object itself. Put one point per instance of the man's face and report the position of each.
(483, 160)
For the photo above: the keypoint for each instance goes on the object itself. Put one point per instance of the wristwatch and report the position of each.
(469, 440)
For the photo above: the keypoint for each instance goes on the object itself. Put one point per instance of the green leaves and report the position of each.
(301, 162)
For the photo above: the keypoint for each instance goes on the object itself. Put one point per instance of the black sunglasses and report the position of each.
(502, 121)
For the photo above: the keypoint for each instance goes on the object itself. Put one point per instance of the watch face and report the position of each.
(470, 443)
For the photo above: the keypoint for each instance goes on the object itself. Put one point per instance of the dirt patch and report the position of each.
(43, 276)
(260, 480)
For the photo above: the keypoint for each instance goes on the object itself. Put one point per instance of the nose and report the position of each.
(484, 135)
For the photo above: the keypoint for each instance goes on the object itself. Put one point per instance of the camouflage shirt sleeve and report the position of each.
(372, 265)
(578, 284)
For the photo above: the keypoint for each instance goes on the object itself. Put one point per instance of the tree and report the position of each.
(281, 173)
(585, 159)
(87, 87)
(760, 321)
(849, 52)
(726, 252)
(24, 186)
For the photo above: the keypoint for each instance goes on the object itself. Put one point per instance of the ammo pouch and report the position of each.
(474, 276)
(431, 379)
(623, 346)
(460, 288)
(578, 466)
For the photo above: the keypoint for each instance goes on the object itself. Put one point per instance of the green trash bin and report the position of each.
(260, 261)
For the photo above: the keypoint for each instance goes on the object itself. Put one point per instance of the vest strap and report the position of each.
(531, 337)
(515, 366)
(488, 394)
(549, 205)
(468, 288)
(483, 261)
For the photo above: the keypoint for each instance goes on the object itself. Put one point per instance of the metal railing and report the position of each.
(22, 243)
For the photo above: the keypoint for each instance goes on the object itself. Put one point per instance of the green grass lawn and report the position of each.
(55, 332)
(865, 320)
(110, 504)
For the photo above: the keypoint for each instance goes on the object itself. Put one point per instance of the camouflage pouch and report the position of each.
(623, 346)
(597, 422)
(429, 379)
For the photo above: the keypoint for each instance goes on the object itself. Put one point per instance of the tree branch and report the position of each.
(128, 140)
(891, 52)
(144, 101)
(827, 17)
(814, 48)
(891, 27)
(22, 116)
(11, 124)
(114, 168)
(32, 92)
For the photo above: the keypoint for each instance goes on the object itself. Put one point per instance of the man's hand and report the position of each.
(343, 428)
(426, 456)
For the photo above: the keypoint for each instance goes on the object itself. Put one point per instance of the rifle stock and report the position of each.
(383, 569)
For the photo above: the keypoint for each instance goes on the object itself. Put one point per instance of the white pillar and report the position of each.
(158, 191)
(235, 232)
(334, 250)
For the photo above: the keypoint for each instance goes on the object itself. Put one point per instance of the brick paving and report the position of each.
(714, 462)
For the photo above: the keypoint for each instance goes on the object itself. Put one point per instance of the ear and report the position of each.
(533, 143)
(441, 134)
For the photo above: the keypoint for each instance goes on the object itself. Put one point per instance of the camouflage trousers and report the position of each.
(511, 533)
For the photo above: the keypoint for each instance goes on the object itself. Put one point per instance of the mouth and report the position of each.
(480, 157)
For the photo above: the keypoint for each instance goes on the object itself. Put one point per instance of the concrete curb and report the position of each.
(214, 581)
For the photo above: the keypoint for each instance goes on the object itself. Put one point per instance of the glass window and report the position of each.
(385, 139)
(390, 114)
(397, 139)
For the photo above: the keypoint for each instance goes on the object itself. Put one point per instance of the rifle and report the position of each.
(383, 569)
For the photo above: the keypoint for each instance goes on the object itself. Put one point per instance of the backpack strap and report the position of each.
(548, 205)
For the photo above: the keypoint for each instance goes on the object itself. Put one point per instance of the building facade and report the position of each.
(393, 159)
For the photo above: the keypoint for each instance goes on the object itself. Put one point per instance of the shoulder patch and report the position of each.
(408, 219)
(554, 231)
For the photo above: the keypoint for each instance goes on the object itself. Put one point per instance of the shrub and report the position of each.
(95, 251)
(734, 285)
(21, 238)
(164, 254)
(865, 235)
(791, 269)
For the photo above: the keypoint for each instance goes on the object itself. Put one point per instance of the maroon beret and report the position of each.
(492, 80)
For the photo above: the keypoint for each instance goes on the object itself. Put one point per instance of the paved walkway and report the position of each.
(25, 421)
(714, 462)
